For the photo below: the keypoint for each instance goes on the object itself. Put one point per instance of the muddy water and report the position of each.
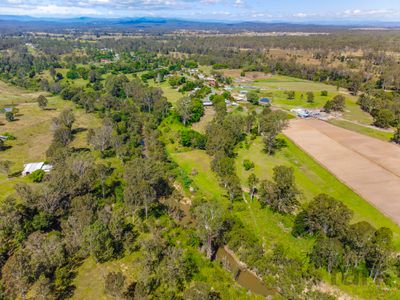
(243, 276)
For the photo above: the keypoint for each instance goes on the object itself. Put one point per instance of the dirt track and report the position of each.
(369, 166)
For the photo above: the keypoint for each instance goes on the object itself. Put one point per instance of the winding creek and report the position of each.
(243, 276)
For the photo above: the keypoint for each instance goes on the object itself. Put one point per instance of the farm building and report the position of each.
(207, 103)
(7, 109)
(32, 167)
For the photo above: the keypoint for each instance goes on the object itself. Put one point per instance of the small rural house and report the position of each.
(32, 167)
(207, 103)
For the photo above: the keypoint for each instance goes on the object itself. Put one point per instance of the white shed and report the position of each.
(32, 167)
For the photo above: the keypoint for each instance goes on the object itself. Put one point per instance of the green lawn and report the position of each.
(290, 83)
(205, 181)
(312, 179)
(375, 133)
(172, 94)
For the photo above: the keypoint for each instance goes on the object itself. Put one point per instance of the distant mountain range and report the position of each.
(13, 24)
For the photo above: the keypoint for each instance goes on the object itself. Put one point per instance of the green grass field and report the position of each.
(272, 228)
(172, 94)
(276, 87)
(312, 179)
(205, 181)
(372, 132)
(288, 83)
(90, 278)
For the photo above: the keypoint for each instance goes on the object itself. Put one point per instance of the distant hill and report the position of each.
(20, 24)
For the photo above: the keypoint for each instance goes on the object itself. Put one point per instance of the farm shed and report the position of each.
(32, 167)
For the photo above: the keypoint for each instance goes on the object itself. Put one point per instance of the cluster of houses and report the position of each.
(239, 96)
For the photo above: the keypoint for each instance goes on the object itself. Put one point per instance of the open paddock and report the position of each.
(369, 166)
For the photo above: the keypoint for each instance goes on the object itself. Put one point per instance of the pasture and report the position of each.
(11, 95)
(276, 88)
(33, 132)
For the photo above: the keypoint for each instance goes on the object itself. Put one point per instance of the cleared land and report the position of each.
(201, 126)
(367, 165)
(32, 130)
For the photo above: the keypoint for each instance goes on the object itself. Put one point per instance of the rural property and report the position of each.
(369, 166)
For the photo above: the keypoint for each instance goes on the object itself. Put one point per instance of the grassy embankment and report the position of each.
(383, 135)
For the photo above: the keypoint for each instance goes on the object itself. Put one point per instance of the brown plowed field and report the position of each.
(369, 166)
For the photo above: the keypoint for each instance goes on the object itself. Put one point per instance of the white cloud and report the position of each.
(239, 3)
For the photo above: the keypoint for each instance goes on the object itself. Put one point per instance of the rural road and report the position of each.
(369, 166)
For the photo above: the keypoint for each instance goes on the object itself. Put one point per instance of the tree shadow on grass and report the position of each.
(79, 130)
(5, 147)
(280, 144)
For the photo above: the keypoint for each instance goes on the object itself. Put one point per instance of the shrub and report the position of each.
(324, 93)
(252, 97)
(37, 176)
(248, 164)
(72, 74)
(9, 116)
(9, 136)
(310, 97)
(336, 104)
(291, 95)
(191, 138)
(384, 118)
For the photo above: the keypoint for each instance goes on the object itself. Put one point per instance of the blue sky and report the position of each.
(233, 10)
